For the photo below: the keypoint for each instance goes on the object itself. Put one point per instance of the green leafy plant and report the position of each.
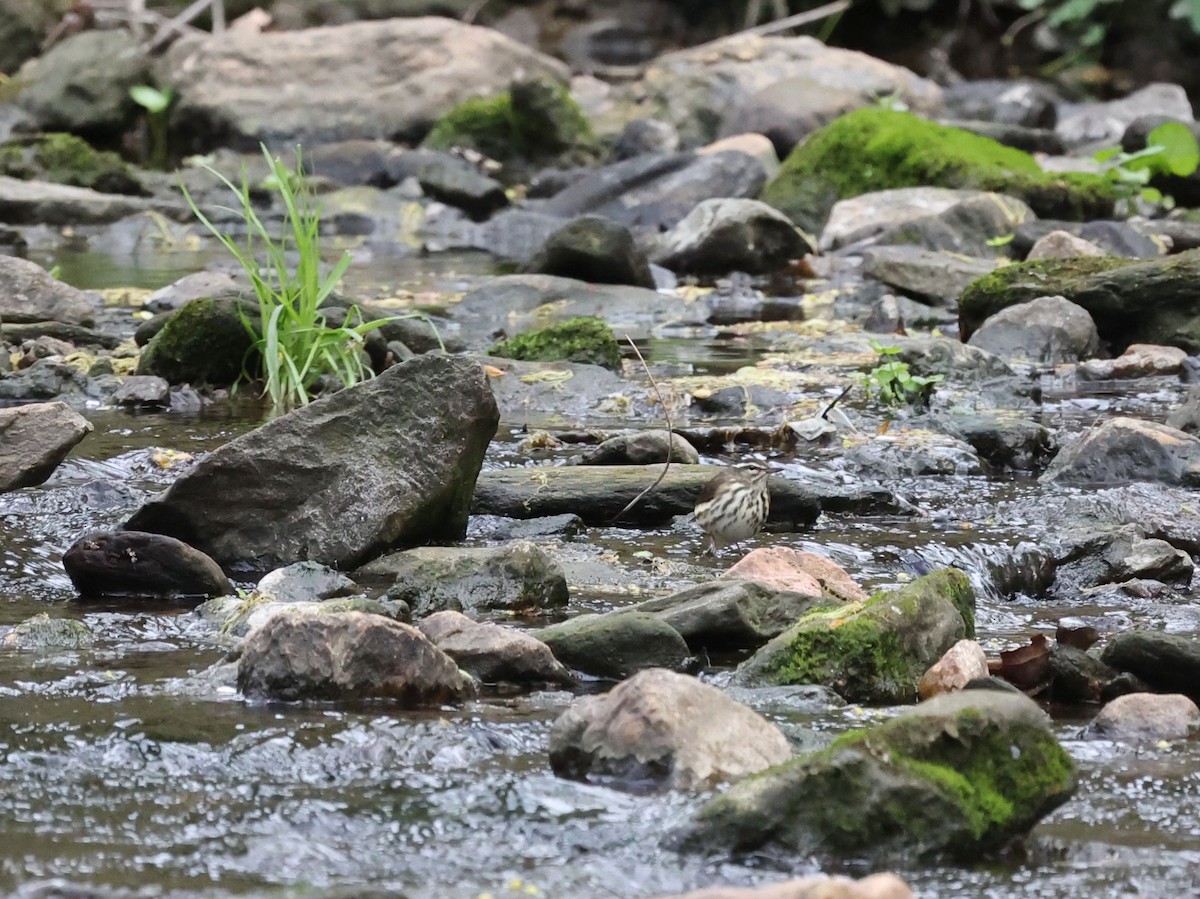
(156, 103)
(298, 349)
(892, 381)
(1171, 149)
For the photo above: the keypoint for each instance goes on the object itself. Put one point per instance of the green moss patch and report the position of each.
(875, 149)
(587, 340)
(66, 159)
(205, 342)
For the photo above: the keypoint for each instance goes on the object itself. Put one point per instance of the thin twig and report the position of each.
(837, 399)
(670, 434)
(803, 18)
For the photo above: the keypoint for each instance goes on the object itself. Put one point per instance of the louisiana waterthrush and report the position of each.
(734, 505)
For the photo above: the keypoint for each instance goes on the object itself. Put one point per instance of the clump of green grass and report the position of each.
(298, 348)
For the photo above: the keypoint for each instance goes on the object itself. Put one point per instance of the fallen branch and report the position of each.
(670, 434)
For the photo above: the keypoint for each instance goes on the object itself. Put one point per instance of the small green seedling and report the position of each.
(1171, 149)
(156, 103)
(893, 383)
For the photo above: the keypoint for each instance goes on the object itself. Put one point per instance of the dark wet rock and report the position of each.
(513, 303)
(66, 159)
(449, 180)
(36, 438)
(387, 463)
(143, 391)
(43, 632)
(596, 494)
(1062, 245)
(347, 656)
(1078, 676)
(746, 402)
(516, 577)
(655, 192)
(511, 234)
(550, 181)
(1146, 717)
(971, 226)
(1180, 233)
(1113, 238)
(305, 582)
(29, 294)
(723, 235)
(48, 379)
(910, 452)
(1140, 360)
(616, 645)
(1186, 416)
(1030, 140)
(730, 613)
(643, 136)
(1105, 122)
(1002, 439)
(960, 775)
(78, 335)
(116, 563)
(642, 448)
(492, 653)
(584, 340)
(929, 275)
(43, 203)
(1129, 449)
(1028, 103)
(697, 89)
(1046, 330)
(1088, 556)
(567, 526)
(789, 110)
(428, 64)
(594, 249)
(871, 652)
(82, 84)
(23, 28)
(1131, 302)
(894, 149)
(661, 730)
(1167, 662)
(204, 342)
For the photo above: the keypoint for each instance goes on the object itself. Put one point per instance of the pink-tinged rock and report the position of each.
(492, 652)
(963, 662)
(1142, 360)
(1147, 716)
(1062, 245)
(877, 886)
(783, 568)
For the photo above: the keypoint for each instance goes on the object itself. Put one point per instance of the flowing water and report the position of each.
(122, 766)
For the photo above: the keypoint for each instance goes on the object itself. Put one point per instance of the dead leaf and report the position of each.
(1027, 667)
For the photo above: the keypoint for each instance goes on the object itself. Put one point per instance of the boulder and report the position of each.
(642, 448)
(1167, 662)
(784, 568)
(29, 294)
(616, 645)
(82, 84)
(389, 462)
(492, 653)
(701, 88)
(873, 652)
(649, 194)
(36, 438)
(514, 577)
(594, 249)
(1145, 717)
(895, 149)
(347, 656)
(120, 563)
(305, 582)
(597, 493)
(729, 613)
(1121, 450)
(420, 68)
(961, 775)
(963, 662)
(1148, 301)
(661, 730)
(204, 342)
(1046, 330)
(723, 235)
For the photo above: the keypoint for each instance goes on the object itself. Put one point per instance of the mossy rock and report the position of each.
(961, 775)
(872, 652)
(43, 632)
(875, 149)
(535, 120)
(205, 342)
(1130, 300)
(586, 340)
(66, 159)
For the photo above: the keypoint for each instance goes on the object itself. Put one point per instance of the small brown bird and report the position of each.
(734, 505)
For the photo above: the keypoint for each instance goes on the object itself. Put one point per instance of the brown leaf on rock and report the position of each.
(1027, 667)
(1082, 638)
